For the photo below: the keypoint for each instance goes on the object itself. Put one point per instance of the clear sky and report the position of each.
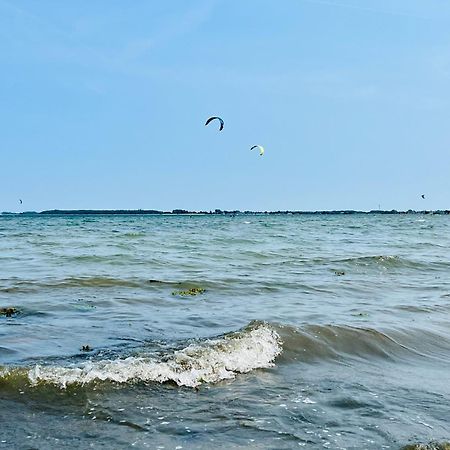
(103, 104)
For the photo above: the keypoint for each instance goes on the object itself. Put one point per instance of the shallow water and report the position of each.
(313, 331)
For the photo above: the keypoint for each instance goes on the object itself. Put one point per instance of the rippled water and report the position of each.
(313, 331)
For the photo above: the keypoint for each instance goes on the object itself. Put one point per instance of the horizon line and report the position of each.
(217, 212)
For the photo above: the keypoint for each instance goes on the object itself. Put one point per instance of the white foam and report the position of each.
(208, 362)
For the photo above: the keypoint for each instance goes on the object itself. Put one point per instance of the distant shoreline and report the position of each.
(216, 212)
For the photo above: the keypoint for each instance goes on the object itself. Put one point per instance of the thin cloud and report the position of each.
(67, 46)
(368, 9)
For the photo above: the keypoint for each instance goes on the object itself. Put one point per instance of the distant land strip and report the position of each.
(83, 212)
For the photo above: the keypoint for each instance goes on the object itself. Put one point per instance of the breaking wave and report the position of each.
(388, 262)
(211, 361)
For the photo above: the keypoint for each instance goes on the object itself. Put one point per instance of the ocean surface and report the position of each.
(311, 332)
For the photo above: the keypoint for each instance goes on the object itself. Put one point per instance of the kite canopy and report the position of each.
(261, 149)
(213, 118)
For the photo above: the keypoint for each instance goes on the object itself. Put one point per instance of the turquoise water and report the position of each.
(313, 331)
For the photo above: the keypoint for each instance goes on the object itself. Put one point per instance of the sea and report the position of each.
(231, 332)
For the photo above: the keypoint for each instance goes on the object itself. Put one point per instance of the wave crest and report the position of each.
(209, 362)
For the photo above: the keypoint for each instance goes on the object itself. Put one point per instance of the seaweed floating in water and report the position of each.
(86, 348)
(8, 312)
(84, 305)
(191, 291)
(339, 273)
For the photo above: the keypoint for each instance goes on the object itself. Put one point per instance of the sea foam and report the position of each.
(209, 361)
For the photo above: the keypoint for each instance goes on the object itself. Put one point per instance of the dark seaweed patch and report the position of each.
(8, 311)
(192, 291)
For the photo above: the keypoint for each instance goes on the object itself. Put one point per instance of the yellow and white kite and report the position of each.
(261, 149)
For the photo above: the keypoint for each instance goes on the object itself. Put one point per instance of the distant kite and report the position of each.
(218, 118)
(20, 200)
(261, 149)
(423, 195)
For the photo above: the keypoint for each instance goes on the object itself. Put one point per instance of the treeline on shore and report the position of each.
(82, 212)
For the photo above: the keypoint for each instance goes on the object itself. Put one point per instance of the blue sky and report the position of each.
(103, 104)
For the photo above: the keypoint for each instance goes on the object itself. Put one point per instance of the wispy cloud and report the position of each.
(74, 44)
(368, 9)
(185, 23)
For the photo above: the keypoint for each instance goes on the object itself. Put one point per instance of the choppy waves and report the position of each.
(390, 262)
(95, 282)
(210, 361)
(256, 346)
(339, 342)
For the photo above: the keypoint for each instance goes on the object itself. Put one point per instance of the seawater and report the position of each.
(312, 331)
